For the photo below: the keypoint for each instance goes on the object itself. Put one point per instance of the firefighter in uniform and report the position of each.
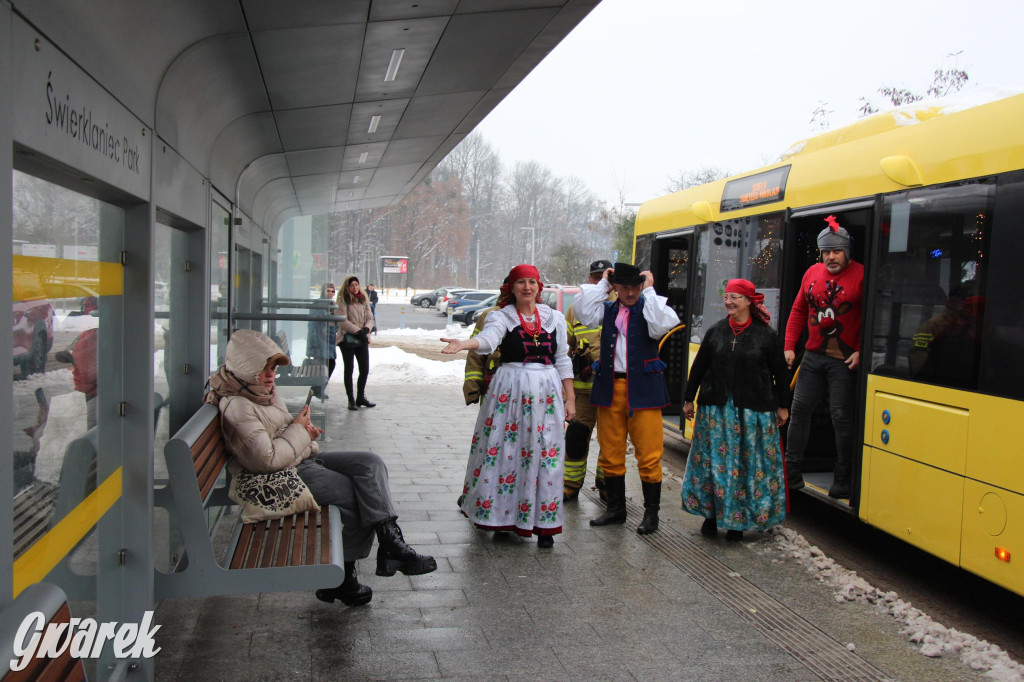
(480, 368)
(584, 349)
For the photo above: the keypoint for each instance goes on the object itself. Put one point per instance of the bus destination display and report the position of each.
(754, 190)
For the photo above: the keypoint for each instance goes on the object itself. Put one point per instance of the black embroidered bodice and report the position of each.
(518, 346)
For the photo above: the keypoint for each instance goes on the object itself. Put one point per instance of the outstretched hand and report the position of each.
(454, 346)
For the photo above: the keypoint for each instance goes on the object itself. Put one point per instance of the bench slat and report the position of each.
(309, 535)
(243, 544)
(268, 550)
(257, 538)
(286, 536)
(325, 536)
(300, 524)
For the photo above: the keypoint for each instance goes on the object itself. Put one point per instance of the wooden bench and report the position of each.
(299, 552)
(310, 373)
(50, 601)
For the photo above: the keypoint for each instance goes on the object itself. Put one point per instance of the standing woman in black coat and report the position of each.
(734, 474)
(353, 304)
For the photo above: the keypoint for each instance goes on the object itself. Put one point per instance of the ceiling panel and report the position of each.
(305, 67)
(314, 161)
(266, 15)
(355, 160)
(390, 113)
(314, 127)
(436, 114)
(413, 150)
(384, 10)
(476, 48)
(417, 38)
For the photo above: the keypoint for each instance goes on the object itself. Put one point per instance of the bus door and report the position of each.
(801, 252)
(670, 264)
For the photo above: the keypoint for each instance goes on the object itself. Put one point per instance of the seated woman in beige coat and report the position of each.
(263, 437)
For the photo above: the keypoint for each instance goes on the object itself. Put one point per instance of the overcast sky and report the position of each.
(644, 88)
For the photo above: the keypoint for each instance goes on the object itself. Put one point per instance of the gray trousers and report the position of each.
(357, 483)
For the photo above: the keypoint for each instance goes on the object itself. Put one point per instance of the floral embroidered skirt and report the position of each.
(734, 472)
(516, 462)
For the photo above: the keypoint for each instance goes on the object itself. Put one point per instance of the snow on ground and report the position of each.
(393, 365)
(934, 638)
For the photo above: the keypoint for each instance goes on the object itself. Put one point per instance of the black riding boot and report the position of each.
(615, 486)
(361, 400)
(652, 503)
(394, 555)
(350, 591)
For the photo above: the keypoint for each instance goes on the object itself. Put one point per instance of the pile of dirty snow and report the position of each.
(935, 639)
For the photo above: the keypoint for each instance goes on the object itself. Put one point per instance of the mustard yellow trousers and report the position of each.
(644, 428)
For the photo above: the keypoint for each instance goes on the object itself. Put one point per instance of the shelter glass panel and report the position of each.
(220, 291)
(68, 286)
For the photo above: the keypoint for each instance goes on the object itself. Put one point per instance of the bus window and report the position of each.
(748, 248)
(930, 305)
(1002, 357)
(642, 257)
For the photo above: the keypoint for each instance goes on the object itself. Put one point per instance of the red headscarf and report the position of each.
(517, 273)
(746, 288)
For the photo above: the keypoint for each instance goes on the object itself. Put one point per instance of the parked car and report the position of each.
(468, 312)
(426, 299)
(559, 298)
(431, 298)
(442, 300)
(33, 323)
(468, 298)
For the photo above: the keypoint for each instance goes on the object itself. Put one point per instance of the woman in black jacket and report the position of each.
(734, 474)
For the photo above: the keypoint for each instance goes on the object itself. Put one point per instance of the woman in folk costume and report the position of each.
(263, 437)
(734, 474)
(516, 461)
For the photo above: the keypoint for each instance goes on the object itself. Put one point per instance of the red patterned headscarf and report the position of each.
(517, 273)
(746, 288)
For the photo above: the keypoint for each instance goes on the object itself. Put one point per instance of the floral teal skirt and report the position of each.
(734, 472)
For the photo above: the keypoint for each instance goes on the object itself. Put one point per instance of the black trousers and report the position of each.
(362, 356)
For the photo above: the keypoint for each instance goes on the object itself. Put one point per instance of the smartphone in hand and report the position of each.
(309, 398)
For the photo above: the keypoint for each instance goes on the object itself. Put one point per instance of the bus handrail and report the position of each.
(670, 332)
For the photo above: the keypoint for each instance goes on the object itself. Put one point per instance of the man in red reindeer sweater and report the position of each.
(829, 305)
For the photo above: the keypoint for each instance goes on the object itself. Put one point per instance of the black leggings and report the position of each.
(362, 356)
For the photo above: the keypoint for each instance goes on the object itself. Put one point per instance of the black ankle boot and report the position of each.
(394, 555)
(652, 503)
(615, 486)
(362, 401)
(350, 592)
(545, 541)
(352, 404)
(709, 528)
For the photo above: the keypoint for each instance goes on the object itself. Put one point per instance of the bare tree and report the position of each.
(694, 178)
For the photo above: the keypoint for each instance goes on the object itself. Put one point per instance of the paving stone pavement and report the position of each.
(603, 604)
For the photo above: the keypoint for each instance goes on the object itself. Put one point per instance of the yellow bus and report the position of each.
(933, 197)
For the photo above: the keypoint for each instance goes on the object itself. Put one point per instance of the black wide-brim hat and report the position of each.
(626, 275)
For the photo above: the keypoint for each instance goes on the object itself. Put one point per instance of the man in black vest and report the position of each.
(629, 387)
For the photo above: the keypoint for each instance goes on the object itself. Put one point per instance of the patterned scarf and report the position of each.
(224, 384)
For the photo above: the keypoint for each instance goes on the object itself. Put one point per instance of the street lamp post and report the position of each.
(533, 244)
